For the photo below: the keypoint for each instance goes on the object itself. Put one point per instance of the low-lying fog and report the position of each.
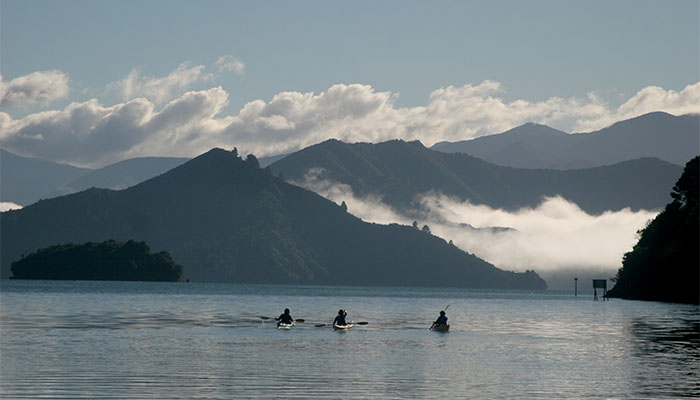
(557, 239)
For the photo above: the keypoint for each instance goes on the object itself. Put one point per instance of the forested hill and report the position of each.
(398, 171)
(664, 265)
(224, 219)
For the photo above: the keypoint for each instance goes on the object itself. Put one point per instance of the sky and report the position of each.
(93, 82)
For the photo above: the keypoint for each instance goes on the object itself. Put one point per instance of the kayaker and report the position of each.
(285, 318)
(442, 319)
(340, 318)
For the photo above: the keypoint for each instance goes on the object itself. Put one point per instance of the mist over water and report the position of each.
(557, 239)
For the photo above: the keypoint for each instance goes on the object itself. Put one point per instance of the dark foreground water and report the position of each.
(187, 340)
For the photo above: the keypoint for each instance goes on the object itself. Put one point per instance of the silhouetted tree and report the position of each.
(415, 225)
(344, 206)
(426, 229)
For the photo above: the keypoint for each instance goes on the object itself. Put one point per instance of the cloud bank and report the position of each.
(156, 119)
(7, 206)
(89, 133)
(36, 88)
(553, 237)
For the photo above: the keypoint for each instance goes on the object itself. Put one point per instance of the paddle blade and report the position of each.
(263, 317)
(362, 323)
(320, 325)
(299, 320)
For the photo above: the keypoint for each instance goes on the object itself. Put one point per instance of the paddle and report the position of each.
(355, 323)
(299, 320)
(431, 326)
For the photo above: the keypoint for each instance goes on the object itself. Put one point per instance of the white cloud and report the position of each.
(35, 88)
(230, 63)
(162, 89)
(293, 120)
(649, 99)
(553, 237)
(91, 134)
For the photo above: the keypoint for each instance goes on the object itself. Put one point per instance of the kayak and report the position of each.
(342, 327)
(440, 328)
(282, 325)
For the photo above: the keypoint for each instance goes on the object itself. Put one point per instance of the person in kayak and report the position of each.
(441, 320)
(285, 318)
(340, 318)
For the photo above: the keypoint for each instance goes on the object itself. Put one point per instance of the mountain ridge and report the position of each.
(26, 179)
(225, 219)
(22, 186)
(671, 138)
(399, 172)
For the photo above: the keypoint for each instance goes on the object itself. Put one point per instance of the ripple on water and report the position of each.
(115, 340)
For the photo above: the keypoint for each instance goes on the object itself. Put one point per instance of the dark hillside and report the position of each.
(225, 219)
(399, 171)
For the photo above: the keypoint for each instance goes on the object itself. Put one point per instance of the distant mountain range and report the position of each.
(399, 172)
(227, 220)
(675, 139)
(25, 180)
(120, 175)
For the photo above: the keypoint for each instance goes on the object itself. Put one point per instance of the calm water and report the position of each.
(188, 340)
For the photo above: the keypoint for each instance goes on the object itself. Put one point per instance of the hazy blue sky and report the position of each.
(433, 71)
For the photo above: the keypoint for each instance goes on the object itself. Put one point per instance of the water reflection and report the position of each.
(666, 345)
(678, 335)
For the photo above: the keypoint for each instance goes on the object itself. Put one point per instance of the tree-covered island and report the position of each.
(108, 261)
